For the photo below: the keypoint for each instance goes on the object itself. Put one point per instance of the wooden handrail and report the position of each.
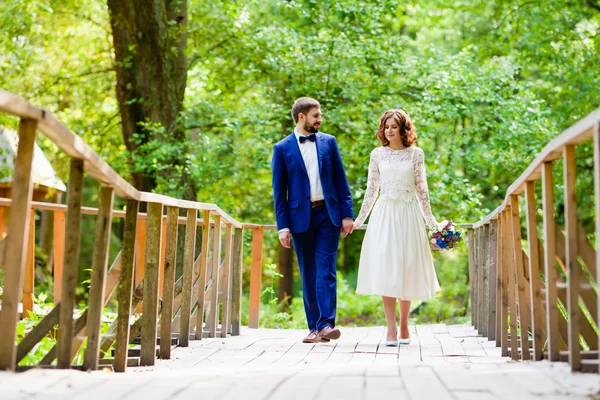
(512, 269)
(579, 132)
(95, 166)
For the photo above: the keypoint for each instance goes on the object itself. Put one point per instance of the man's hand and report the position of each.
(285, 238)
(347, 226)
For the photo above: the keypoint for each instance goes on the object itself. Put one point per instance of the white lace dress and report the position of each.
(395, 259)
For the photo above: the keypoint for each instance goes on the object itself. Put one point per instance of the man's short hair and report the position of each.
(303, 105)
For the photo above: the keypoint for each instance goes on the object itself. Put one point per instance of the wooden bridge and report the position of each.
(523, 306)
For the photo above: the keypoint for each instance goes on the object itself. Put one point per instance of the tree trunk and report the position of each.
(149, 39)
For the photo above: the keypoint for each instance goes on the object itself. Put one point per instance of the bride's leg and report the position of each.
(389, 308)
(404, 314)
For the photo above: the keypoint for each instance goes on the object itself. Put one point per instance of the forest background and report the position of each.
(187, 98)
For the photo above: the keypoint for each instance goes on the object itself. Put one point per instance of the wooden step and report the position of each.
(134, 352)
(131, 361)
(591, 365)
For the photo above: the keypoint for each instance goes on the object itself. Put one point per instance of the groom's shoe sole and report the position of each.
(330, 333)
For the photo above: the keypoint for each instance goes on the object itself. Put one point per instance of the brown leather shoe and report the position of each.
(313, 337)
(329, 333)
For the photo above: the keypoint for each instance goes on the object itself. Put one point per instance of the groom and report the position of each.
(312, 203)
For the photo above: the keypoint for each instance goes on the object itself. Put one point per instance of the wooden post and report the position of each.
(226, 282)
(471, 247)
(255, 277)
(140, 254)
(236, 282)
(484, 279)
(98, 279)
(58, 253)
(203, 266)
(512, 286)
(71, 267)
(125, 290)
(161, 261)
(213, 318)
(29, 278)
(169, 282)
(480, 262)
(552, 313)
(571, 251)
(150, 305)
(14, 250)
(597, 209)
(187, 278)
(534, 272)
(522, 284)
(503, 263)
(492, 279)
(475, 312)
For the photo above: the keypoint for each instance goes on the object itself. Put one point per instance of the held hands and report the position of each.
(347, 226)
(285, 238)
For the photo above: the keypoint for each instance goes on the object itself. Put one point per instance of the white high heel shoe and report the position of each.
(404, 341)
(391, 343)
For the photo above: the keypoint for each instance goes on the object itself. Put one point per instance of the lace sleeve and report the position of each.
(421, 188)
(372, 189)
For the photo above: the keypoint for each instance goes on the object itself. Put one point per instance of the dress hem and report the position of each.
(398, 297)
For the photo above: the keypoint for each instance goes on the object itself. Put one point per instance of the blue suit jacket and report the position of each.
(291, 187)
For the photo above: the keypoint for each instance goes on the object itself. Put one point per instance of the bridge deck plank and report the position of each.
(441, 362)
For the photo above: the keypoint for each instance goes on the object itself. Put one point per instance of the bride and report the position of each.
(395, 259)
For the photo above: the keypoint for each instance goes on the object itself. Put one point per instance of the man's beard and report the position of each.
(310, 128)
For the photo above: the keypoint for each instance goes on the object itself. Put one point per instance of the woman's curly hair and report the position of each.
(407, 129)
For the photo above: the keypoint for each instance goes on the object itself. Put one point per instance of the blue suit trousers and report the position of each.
(316, 249)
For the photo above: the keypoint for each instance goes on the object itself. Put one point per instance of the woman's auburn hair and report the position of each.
(407, 129)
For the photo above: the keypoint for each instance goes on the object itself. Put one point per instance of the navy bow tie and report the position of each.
(305, 138)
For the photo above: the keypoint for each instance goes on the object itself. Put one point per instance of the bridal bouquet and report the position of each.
(444, 236)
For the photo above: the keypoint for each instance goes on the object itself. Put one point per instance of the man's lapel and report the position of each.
(320, 149)
(293, 145)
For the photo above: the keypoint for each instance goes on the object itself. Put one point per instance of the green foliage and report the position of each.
(487, 83)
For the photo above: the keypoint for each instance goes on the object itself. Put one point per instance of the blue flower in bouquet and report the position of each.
(444, 236)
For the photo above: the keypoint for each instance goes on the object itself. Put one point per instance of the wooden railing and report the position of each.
(142, 278)
(518, 295)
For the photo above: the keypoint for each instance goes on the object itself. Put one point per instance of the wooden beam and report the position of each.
(552, 314)
(168, 283)
(203, 273)
(226, 282)
(471, 250)
(29, 276)
(58, 251)
(214, 301)
(571, 252)
(534, 273)
(236, 282)
(504, 261)
(522, 284)
(150, 304)
(512, 285)
(255, 277)
(597, 210)
(188, 271)
(125, 290)
(38, 333)
(71, 268)
(484, 279)
(492, 279)
(476, 271)
(14, 250)
(98, 279)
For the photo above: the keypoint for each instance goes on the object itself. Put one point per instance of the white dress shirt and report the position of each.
(308, 150)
